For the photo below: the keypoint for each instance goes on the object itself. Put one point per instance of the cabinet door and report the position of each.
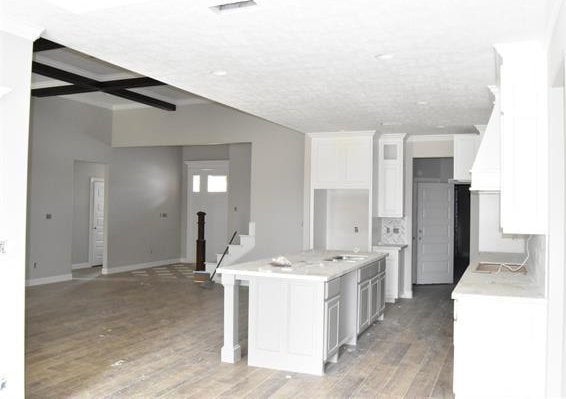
(382, 283)
(390, 181)
(524, 138)
(363, 305)
(332, 318)
(392, 274)
(374, 299)
(328, 163)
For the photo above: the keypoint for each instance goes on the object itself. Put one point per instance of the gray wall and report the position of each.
(83, 172)
(143, 182)
(277, 165)
(239, 188)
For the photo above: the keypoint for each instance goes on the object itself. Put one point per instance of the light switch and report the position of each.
(3, 246)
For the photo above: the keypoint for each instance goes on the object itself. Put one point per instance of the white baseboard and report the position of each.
(138, 266)
(49, 280)
(186, 260)
(78, 266)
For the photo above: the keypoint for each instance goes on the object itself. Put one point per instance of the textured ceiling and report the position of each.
(310, 65)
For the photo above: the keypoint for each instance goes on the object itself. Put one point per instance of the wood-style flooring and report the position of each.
(158, 335)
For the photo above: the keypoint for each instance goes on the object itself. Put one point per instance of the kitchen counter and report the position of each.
(308, 265)
(498, 285)
(391, 246)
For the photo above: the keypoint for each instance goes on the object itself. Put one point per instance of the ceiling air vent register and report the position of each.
(233, 6)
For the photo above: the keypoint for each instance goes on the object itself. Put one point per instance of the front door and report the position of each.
(434, 237)
(97, 222)
(208, 192)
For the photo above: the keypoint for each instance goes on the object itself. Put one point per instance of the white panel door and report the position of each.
(97, 222)
(435, 244)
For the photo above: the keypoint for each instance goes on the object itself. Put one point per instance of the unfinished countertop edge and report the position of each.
(508, 286)
(249, 269)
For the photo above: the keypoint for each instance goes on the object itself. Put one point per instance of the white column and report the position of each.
(16, 41)
(231, 351)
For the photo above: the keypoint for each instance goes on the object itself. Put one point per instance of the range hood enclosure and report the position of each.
(486, 170)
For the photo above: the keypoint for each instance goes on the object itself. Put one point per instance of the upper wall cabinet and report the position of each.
(390, 176)
(524, 138)
(465, 149)
(341, 160)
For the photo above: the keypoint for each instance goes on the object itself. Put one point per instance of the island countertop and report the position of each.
(517, 286)
(307, 265)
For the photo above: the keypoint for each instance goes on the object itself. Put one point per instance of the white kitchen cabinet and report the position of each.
(364, 298)
(341, 160)
(332, 327)
(465, 150)
(395, 263)
(499, 347)
(390, 200)
(339, 169)
(524, 138)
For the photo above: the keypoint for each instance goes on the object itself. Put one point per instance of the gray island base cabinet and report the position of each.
(299, 317)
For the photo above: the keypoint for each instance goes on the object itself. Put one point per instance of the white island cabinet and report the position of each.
(299, 316)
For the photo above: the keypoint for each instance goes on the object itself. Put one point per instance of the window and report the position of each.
(217, 184)
(196, 183)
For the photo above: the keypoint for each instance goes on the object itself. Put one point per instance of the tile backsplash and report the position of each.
(393, 231)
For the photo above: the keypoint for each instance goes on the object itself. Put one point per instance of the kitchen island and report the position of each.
(300, 315)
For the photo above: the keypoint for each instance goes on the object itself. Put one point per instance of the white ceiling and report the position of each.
(310, 65)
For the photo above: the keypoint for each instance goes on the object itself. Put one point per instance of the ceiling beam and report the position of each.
(102, 86)
(92, 85)
(42, 44)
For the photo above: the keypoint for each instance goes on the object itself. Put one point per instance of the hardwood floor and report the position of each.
(157, 334)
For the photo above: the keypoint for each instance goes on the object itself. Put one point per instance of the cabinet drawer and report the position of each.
(371, 270)
(332, 288)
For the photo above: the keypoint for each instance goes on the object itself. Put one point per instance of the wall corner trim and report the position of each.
(138, 266)
(20, 28)
(49, 280)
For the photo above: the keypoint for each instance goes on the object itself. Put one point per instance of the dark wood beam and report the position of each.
(105, 86)
(42, 44)
(94, 85)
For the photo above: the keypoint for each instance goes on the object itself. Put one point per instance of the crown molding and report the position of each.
(342, 134)
(422, 138)
(20, 28)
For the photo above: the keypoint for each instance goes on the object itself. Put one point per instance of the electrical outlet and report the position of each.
(48, 216)
(396, 230)
(3, 247)
(356, 229)
(3, 383)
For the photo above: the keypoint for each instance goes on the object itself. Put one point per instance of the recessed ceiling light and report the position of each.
(220, 72)
(390, 123)
(386, 56)
(81, 7)
(422, 102)
(440, 126)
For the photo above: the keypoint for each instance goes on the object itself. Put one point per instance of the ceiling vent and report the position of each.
(238, 5)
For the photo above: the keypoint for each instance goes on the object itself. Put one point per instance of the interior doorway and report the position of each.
(461, 229)
(207, 191)
(89, 219)
(433, 221)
